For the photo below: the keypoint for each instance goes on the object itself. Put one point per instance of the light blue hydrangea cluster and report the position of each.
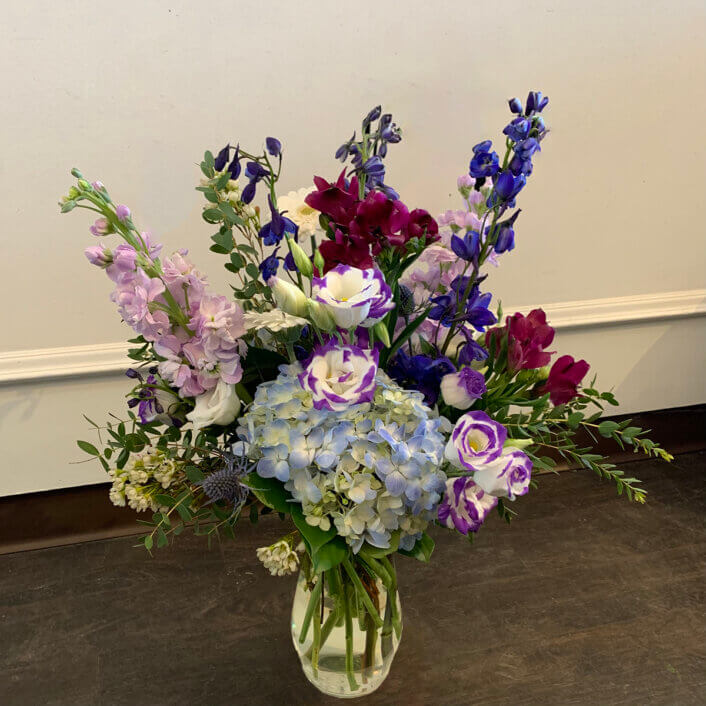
(371, 470)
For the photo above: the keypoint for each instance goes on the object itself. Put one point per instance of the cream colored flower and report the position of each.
(274, 321)
(299, 211)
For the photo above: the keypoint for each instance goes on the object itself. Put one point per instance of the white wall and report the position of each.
(133, 92)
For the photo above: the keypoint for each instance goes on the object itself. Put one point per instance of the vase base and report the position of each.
(332, 680)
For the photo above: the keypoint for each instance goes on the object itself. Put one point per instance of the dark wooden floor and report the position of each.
(586, 599)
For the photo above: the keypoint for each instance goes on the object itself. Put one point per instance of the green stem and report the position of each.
(348, 605)
(316, 644)
(358, 584)
(313, 603)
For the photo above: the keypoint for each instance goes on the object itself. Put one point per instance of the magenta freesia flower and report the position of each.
(465, 505)
(340, 376)
(564, 378)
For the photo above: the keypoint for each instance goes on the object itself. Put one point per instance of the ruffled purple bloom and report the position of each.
(476, 440)
(340, 376)
(506, 477)
(465, 505)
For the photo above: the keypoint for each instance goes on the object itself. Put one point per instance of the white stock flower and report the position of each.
(217, 406)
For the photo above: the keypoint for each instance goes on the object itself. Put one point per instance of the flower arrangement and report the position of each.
(358, 382)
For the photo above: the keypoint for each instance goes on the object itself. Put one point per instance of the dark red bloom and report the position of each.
(344, 250)
(379, 221)
(527, 337)
(564, 378)
(335, 200)
(422, 225)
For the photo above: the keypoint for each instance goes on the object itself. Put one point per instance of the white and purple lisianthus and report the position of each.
(465, 505)
(461, 389)
(353, 297)
(476, 440)
(340, 376)
(506, 477)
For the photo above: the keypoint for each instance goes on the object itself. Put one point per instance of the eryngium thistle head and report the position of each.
(406, 300)
(224, 484)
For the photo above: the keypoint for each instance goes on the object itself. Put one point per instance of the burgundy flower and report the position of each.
(344, 250)
(564, 378)
(422, 225)
(379, 221)
(335, 200)
(527, 338)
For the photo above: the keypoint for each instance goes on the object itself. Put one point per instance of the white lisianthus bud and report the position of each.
(217, 406)
(382, 333)
(320, 316)
(319, 262)
(518, 443)
(301, 259)
(289, 297)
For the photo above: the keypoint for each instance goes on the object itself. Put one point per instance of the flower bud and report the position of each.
(289, 298)
(382, 333)
(76, 173)
(85, 185)
(320, 316)
(301, 259)
(73, 192)
(319, 262)
(518, 443)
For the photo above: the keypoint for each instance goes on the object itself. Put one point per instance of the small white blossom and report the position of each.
(279, 558)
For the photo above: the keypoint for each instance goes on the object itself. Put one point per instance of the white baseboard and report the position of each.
(82, 361)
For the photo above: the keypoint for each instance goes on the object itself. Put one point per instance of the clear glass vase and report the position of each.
(346, 626)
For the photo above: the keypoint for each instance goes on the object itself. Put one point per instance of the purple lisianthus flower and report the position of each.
(340, 376)
(463, 388)
(476, 440)
(507, 477)
(465, 505)
(352, 296)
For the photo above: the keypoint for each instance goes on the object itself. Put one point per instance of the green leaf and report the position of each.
(422, 549)
(237, 260)
(224, 240)
(270, 492)
(330, 555)
(574, 419)
(212, 215)
(377, 552)
(607, 428)
(88, 448)
(209, 159)
(148, 542)
(406, 333)
(223, 180)
(229, 212)
(167, 500)
(252, 270)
